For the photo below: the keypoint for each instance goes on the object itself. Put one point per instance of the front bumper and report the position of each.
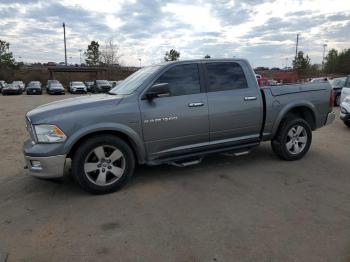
(11, 92)
(330, 118)
(46, 167)
(345, 111)
(56, 92)
(34, 91)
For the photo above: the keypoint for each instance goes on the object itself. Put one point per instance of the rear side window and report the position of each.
(182, 80)
(225, 76)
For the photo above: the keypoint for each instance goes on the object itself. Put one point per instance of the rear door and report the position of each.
(235, 108)
(177, 123)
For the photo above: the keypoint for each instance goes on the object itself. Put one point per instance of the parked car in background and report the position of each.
(51, 81)
(88, 85)
(2, 84)
(173, 113)
(11, 89)
(77, 87)
(101, 86)
(273, 82)
(263, 81)
(56, 89)
(34, 88)
(345, 111)
(345, 90)
(20, 84)
(337, 85)
(115, 83)
(319, 80)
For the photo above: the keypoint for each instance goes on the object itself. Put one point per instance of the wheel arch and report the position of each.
(123, 132)
(305, 111)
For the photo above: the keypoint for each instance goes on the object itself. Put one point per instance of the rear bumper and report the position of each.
(46, 167)
(330, 118)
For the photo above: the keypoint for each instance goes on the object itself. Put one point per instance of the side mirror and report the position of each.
(158, 90)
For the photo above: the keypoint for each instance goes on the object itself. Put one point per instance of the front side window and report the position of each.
(182, 80)
(225, 76)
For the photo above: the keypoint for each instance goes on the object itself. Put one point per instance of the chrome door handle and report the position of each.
(195, 104)
(250, 98)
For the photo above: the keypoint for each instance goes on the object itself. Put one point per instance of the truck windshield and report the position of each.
(130, 84)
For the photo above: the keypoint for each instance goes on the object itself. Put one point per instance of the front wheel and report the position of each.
(103, 164)
(347, 123)
(293, 139)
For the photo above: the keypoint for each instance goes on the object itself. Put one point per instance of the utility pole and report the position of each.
(65, 47)
(140, 62)
(324, 52)
(296, 46)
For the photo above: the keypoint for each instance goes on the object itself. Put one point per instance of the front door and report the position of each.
(175, 124)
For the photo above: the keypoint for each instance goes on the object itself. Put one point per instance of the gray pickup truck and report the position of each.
(172, 113)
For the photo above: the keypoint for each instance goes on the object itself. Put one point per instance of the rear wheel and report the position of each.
(293, 139)
(103, 164)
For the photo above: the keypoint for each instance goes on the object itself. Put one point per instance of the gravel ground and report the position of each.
(249, 208)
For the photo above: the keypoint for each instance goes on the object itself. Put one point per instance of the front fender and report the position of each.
(126, 130)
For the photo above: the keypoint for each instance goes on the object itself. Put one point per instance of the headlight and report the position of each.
(347, 99)
(49, 134)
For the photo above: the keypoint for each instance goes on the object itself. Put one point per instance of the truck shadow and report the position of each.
(216, 164)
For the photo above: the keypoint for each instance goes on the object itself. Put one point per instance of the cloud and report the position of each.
(261, 30)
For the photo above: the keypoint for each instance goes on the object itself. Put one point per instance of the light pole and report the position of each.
(324, 52)
(65, 47)
(80, 55)
(140, 62)
(296, 46)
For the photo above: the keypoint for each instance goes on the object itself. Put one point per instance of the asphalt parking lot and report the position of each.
(249, 208)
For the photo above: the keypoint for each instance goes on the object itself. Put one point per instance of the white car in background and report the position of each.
(20, 84)
(77, 87)
(345, 111)
(345, 90)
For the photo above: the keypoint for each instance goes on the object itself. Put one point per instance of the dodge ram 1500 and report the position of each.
(172, 113)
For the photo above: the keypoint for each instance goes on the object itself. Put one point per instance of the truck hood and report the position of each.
(48, 113)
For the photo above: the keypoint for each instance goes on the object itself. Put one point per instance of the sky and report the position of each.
(262, 31)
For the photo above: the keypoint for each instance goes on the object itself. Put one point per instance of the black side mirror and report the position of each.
(158, 90)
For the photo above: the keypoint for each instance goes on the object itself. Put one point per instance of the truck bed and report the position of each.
(280, 99)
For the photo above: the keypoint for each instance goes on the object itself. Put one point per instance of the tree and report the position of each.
(332, 60)
(301, 64)
(338, 62)
(172, 55)
(207, 56)
(344, 62)
(110, 54)
(93, 54)
(6, 57)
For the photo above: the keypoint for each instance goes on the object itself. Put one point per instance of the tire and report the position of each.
(101, 178)
(337, 100)
(288, 144)
(347, 123)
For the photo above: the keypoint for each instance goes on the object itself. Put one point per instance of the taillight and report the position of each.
(331, 100)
